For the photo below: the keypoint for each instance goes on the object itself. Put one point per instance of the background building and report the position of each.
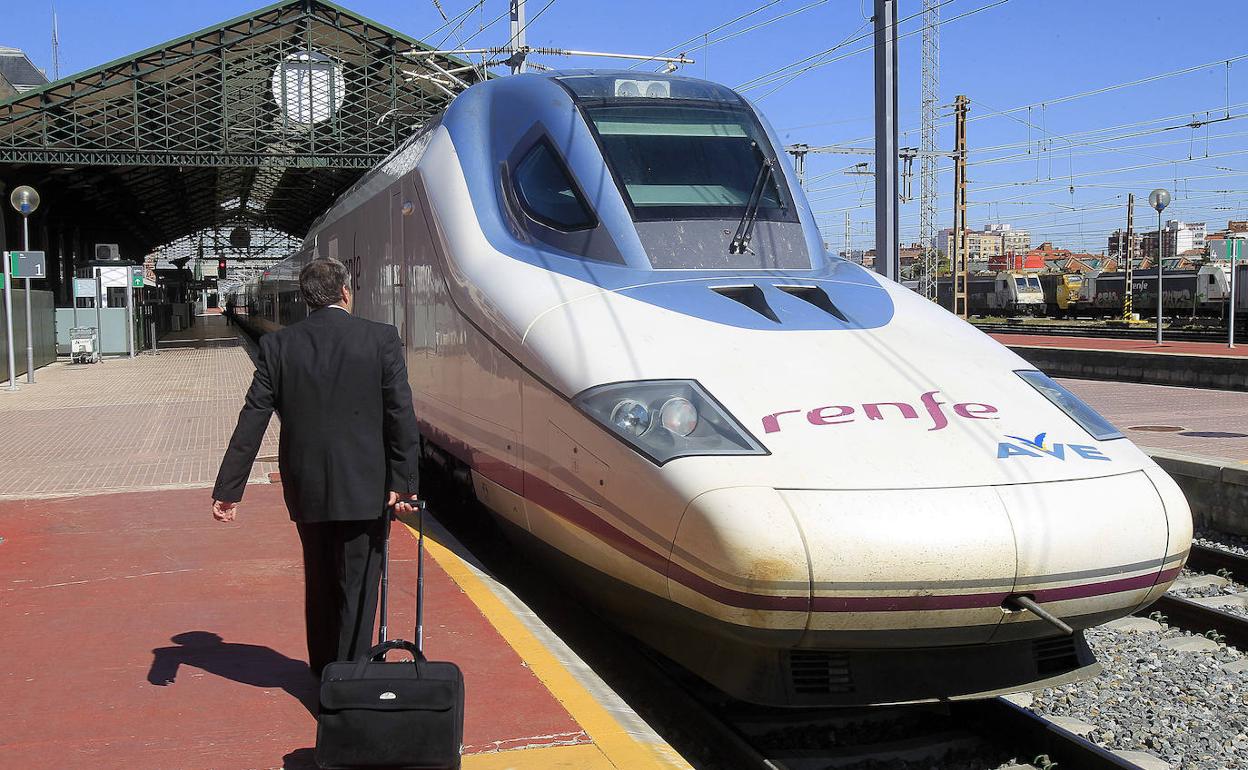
(17, 73)
(980, 245)
(1012, 241)
(1179, 239)
(1116, 246)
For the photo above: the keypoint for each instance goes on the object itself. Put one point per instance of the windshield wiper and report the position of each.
(745, 228)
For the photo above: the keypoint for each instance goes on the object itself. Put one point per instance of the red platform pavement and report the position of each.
(1132, 346)
(140, 633)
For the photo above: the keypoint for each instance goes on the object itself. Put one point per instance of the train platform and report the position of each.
(142, 633)
(1212, 349)
(1194, 421)
(1190, 364)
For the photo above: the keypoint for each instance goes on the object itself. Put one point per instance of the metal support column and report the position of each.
(99, 316)
(30, 331)
(886, 224)
(959, 263)
(1128, 251)
(518, 64)
(130, 309)
(8, 317)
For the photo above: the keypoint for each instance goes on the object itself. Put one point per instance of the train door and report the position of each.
(418, 280)
(396, 266)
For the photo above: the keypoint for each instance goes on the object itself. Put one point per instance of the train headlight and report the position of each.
(631, 417)
(1088, 418)
(666, 419)
(679, 416)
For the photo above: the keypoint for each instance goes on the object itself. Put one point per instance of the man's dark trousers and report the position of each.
(341, 570)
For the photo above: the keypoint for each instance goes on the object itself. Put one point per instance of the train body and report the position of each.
(1009, 293)
(1063, 293)
(1202, 291)
(802, 481)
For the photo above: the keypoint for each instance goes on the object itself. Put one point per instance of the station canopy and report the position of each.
(258, 122)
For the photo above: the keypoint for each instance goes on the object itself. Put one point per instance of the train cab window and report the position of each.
(1020, 282)
(684, 161)
(547, 193)
(1033, 282)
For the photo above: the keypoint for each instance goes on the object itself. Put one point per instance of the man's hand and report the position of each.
(401, 503)
(222, 511)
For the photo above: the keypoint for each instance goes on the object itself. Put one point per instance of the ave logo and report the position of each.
(1038, 447)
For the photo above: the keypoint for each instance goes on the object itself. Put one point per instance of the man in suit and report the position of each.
(348, 448)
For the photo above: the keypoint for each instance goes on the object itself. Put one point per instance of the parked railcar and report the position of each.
(1009, 293)
(1063, 293)
(1202, 291)
(804, 482)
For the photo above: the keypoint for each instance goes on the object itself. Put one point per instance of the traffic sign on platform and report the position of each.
(136, 280)
(27, 264)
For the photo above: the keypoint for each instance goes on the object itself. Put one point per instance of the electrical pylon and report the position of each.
(928, 188)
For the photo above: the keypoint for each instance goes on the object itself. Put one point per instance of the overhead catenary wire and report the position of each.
(712, 30)
(782, 73)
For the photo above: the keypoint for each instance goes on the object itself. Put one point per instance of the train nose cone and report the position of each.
(905, 568)
(1093, 550)
(739, 557)
(929, 567)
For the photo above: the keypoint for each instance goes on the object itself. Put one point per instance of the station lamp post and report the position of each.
(25, 200)
(1159, 199)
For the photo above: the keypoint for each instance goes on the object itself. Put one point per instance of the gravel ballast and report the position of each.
(1184, 707)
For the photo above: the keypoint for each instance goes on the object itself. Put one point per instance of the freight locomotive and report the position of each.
(802, 481)
(1008, 293)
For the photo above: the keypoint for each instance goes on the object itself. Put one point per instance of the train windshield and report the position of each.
(685, 160)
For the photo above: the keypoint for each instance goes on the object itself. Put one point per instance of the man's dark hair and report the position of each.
(321, 282)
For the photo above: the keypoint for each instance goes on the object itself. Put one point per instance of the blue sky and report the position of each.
(1052, 178)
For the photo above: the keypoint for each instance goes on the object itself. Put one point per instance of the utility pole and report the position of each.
(847, 235)
(960, 273)
(518, 63)
(928, 180)
(1129, 255)
(886, 224)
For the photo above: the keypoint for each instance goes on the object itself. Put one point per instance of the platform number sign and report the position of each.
(27, 264)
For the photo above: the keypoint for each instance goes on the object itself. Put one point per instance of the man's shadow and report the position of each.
(245, 663)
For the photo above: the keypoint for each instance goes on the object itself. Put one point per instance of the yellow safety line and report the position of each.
(621, 749)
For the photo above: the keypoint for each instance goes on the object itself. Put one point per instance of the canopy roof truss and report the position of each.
(262, 119)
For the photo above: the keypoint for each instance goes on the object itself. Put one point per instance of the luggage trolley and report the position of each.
(82, 345)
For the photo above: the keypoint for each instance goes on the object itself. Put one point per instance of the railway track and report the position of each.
(1198, 617)
(971, 735)
(1147, 332)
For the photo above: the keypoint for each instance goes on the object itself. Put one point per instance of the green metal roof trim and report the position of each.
(263, 119)
(231, 23)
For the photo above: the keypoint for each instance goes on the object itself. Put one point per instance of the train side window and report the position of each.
(547, 193)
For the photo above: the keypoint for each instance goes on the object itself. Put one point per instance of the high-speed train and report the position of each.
(802, 481)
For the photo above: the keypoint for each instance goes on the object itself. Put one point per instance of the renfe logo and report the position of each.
(838, 414)
(1035, 447)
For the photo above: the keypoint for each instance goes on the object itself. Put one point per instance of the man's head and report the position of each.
(324, 282)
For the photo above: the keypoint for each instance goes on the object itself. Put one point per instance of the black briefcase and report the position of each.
(407, 715)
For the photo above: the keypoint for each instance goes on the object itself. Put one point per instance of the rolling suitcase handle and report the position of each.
(382, 631)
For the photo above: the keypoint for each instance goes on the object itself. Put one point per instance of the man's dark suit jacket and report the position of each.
(349, 434)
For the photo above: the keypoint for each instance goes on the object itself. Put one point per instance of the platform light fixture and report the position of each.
(25, 200)
(1159, 199)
